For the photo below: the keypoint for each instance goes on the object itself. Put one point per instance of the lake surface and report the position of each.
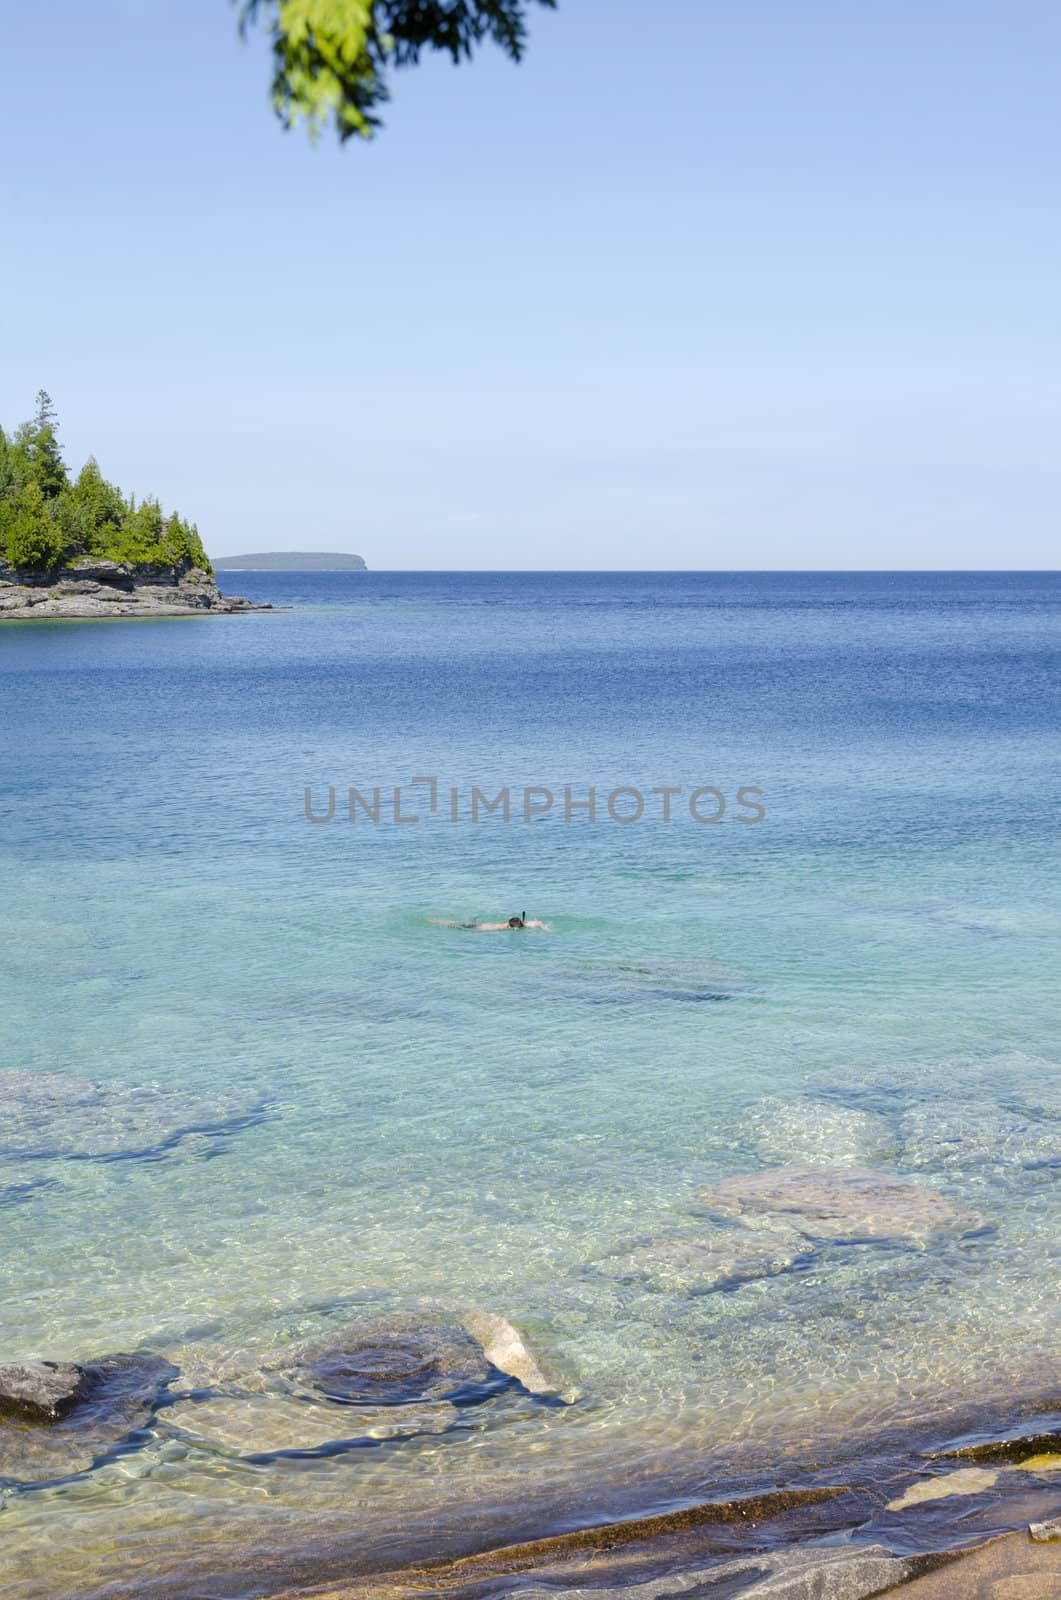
(313, 1105)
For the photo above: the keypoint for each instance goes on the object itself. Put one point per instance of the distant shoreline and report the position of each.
(292, 561)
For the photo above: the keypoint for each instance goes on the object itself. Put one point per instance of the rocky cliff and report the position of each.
(91, 587)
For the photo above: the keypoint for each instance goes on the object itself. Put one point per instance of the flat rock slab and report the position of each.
(807, 1574)
(698, 1263)
(507, 1349)
(967, 1480)
(40, 1391)
(813, 1132)
(55, 1115)
(840, 1203)
(1014, 1450)
(978, 1135)
(396, 1360)
(120, 1395)
(1010, 1568)
(262, 1425)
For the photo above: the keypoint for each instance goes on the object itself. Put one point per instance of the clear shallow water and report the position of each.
(356, 1112)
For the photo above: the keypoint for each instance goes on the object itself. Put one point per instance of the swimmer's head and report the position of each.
(517, 922)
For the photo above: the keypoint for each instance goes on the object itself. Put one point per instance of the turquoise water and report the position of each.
(313, 1104)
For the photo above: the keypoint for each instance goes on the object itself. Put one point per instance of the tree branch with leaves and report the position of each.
(332, 59)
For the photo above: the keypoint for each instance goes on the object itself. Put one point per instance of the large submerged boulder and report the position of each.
(59, 1423)
(839, 1203)
(397, 1360)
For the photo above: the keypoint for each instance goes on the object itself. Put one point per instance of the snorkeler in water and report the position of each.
(490, 927)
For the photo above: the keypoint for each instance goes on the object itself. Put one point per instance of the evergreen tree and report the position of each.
(31, 536)
(45, 519)
(39, 447)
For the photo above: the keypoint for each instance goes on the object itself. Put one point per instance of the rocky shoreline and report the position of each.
(93, 587)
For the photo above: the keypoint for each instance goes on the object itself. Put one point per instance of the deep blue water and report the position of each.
(311, 1098)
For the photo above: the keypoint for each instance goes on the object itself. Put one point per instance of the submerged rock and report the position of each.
(1013, 1451)
(842, 1203)
(40, 1391)
(264, 1425)
(396, 1360)
(699, 1263)
(662, 980)
(814, 1131)
(506, 1349)
(967, 1480)
(55, 1115)
(116, 1397)
(12, 1194)
(977, 1134)
(820, 1573)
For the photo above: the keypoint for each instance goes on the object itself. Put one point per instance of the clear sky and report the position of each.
(703, 283)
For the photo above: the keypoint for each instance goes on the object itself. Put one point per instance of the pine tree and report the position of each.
(32, 537)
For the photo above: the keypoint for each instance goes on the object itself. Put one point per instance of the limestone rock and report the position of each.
(40, 1391)
(967, 1480)
(118, 574)
(403, 1359)
(813, 1132)
(263, 1425)
(119, 1396)
(843, 1203)
(977, 1135)
(1016, 1450)
(506, 1349)
(818, 1573)
(699, 1263)
(92, 587)
(1044, 1532)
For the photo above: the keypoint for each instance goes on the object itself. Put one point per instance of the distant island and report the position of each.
(79, 547)
(292, 561)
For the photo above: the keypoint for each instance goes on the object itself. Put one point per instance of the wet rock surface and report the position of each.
(56, 1115)
(965, 1481)
(118, 1396)
(814, 1574)
(40, 1391)
(507, 1349)
(1017, 1449)
(396, 1360)
(840, 1203)
(696, 1263)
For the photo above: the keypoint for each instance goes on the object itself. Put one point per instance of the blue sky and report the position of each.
(703, 283)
